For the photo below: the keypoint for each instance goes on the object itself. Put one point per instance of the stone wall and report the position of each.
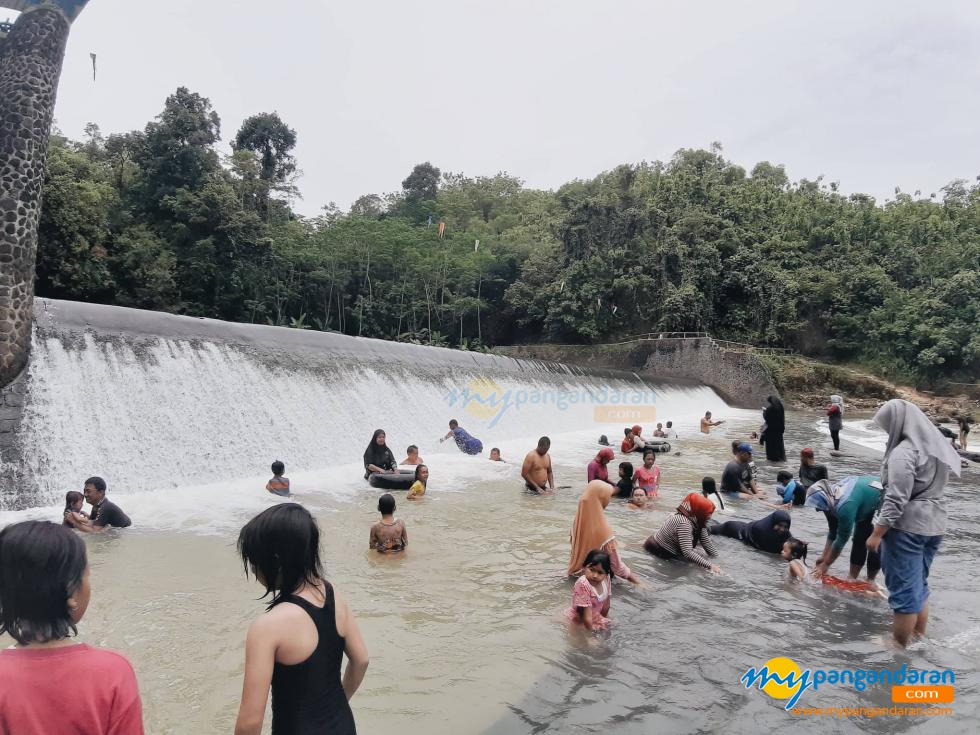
(30, 67)
(738, 377)
(12, 400)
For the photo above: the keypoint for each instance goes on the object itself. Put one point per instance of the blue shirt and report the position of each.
(466, 443)
(786, 491)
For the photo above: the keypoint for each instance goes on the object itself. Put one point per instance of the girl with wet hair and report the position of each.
(794, 552)
(297, 647)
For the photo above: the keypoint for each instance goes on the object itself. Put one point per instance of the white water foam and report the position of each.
(204, 420)
(864, 432)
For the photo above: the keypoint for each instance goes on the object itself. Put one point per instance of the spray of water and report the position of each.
(151, 412)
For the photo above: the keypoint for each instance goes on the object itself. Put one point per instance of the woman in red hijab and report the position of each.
(598, 469)
(683, 531)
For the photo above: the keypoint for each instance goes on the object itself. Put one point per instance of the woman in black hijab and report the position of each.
(768, 534)
(775, 417)
(377, 456)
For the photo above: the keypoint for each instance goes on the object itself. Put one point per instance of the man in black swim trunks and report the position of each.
(104, 514)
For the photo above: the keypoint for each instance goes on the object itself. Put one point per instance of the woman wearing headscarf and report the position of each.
(683, 531)
(775, 417)
(598, 469)
(767, 534)
(591, 531)
(849, 506)
(377, 456)
(835, 417)
(912, 520)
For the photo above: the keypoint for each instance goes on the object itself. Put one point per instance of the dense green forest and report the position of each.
(158, 219)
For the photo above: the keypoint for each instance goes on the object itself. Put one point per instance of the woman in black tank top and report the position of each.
(303, 670)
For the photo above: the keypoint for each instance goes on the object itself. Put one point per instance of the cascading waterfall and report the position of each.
(154, 401)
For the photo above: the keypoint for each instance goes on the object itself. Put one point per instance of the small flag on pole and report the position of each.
(93, 66)
(442, 229)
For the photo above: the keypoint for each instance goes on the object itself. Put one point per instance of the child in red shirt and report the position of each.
(44, 592)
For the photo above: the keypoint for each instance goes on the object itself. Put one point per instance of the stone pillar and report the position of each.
(30, 67)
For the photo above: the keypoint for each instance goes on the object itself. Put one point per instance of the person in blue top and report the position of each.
(789, 490)
(850, 506)
(467, 444)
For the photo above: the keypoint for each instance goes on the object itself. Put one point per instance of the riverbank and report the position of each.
(808, 384)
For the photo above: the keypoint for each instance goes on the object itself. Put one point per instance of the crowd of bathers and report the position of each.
(295, 650)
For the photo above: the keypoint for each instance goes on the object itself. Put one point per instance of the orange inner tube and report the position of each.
(850, 585)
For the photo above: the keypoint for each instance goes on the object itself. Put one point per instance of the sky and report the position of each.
(870, 94)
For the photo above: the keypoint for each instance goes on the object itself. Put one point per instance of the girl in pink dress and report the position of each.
(648, 476)
(592, 593)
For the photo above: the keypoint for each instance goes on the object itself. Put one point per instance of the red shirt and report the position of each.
(72, 689)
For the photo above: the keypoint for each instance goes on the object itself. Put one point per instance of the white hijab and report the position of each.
(839, 401)
(905, 421)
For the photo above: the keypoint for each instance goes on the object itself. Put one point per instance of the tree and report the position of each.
(420, 190)
(272, 140)
(367, 205)
(177, 150)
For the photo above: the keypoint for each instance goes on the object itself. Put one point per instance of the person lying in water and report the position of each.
(536, 470)
(388, 534)
(378, 456)
(767, 534)
(466, 443)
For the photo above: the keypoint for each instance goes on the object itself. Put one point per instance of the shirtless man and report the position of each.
(536, 470)
(707, 423)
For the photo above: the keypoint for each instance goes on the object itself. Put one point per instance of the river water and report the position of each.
(464, 629)
(183, 417)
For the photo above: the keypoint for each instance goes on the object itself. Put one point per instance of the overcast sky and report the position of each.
(872, 94)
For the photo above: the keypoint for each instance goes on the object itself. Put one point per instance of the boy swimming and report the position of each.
(278, 485)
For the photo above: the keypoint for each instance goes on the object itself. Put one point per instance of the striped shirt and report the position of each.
(278, 486)
(677, 537)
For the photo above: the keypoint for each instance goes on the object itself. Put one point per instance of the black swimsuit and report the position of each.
(308, 698)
